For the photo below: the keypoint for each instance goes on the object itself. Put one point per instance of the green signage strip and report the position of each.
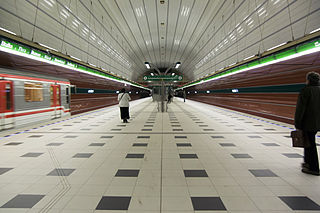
(301, 49)
(26, 51)
(162, 77)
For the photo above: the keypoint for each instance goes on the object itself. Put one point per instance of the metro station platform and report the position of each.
(194, 158)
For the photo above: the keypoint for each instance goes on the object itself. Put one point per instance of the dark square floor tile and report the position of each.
(287, 136)
(230, 125)
(97, 144)
(56, 129)
(227, 144)
(188, 156)
(300, 203)
(13, 144)
(177, 129)
(175, 125)
(54, 144)
(258, 125)
(76, 122)
(196, 119)
(113, 203)
(23, 201)
(121, 125)
(32, 154)
(67, 125)
(4, 170)
(203, 125)
(135, 156)
(146, 129)
(262, 173)
(218, 136)
(115, 129)
(35, 136)
(270, 129)
(180, 136)
(208, 129)
(238, 129)
(183, 144)
(83, 155)
(149, 122)
(70, 136)
(292, 155)
(241, 156)
(61, 172)
(207, 203)
(140, 144)
(127, 173)
(143, 136)
(148, 126)
(94, 125)
(101, 122)
(195, 173)
(174, 122)
(270, 144)
(248, 122)
(199, 122)
(85, 129)
(106, 136)
(254, 136)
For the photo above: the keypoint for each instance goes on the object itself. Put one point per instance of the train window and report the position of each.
(33, 91)
(8, 96)
(58, 95)
(67, 94)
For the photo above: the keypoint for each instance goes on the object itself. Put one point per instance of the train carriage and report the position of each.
(27, 98)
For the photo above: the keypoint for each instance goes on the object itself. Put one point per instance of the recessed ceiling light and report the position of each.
(161, 1)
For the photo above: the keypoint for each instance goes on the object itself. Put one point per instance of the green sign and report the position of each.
(162, 77)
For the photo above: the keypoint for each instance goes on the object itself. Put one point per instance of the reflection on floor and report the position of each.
(194, 158)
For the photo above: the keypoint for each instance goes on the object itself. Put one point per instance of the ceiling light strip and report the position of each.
(297, 51)
(16, 49)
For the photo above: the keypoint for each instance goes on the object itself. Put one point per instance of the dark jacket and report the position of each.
(307, 116)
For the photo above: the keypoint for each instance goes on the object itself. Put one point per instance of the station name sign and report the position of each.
(162, 77)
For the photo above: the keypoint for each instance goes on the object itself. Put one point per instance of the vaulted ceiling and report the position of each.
(120, 35)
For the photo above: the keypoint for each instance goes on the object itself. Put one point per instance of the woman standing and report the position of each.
(124, 99)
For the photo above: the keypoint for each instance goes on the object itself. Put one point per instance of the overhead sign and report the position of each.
(162, 77)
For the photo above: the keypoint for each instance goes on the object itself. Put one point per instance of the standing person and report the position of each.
(169, 98)
(184, 96)
(307, 119)
(124, 99)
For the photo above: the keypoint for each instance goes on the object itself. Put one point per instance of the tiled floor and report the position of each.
(193, 158)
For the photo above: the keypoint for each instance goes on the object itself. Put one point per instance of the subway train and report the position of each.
(27, 98)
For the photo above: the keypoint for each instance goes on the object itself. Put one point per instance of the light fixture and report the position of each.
(276, 46)
(316, 30)
(147, 65)
(177, 65)
(173, 74)
(152, 74)
(208, 91)
(8, 31)
(48, 47)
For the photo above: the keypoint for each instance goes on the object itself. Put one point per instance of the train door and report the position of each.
(55, 101)
(6, 105)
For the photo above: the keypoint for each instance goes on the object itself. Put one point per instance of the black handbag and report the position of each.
(299, 139)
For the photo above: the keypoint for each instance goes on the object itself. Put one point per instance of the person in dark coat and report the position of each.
(307, 119)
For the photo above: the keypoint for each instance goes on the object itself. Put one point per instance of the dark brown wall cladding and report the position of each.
(85, 102)
(277, 106)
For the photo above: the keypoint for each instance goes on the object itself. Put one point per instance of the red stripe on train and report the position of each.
(34, 112)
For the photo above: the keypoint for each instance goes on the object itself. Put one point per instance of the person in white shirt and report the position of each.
(124, 99)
